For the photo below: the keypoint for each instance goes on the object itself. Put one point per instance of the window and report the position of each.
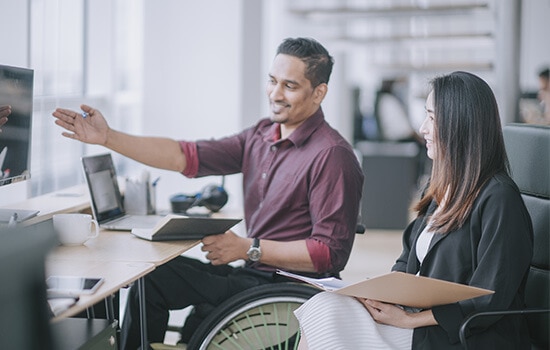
(82, 52)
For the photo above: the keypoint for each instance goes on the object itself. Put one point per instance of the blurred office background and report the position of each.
(197, 69)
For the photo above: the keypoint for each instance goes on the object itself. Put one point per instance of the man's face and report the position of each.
(292, 99)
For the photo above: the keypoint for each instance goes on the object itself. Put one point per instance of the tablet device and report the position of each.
(72, 285)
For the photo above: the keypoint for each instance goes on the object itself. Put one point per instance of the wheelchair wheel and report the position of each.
(258, 318)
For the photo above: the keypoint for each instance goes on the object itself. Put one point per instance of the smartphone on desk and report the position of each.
(72, 285)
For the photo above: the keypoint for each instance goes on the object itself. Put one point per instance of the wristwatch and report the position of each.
(254, 252)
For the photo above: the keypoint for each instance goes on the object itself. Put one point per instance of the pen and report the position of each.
(13, 220)
(155, 182)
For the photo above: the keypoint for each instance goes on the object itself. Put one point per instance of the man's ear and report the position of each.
(320, 92)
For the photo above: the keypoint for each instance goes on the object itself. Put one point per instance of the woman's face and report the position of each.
(427, 127)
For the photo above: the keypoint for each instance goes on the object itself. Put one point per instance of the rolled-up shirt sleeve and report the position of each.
(319, 254)
(189, 149)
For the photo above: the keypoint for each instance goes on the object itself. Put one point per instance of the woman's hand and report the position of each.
(393, 315)
(385, 313)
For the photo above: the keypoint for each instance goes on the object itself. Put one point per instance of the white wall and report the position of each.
(192, 78)
(535, 44)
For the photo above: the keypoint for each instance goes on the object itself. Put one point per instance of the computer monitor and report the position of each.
(16, 91)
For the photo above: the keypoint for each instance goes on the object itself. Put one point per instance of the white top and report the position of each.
(423, 243)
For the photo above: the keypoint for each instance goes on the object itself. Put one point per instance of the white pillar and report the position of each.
(508, 27)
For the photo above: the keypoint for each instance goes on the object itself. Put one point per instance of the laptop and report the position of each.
(106, 199)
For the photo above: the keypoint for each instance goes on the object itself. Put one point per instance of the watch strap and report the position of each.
(256, 242)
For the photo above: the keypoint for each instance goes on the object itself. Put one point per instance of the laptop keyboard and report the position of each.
(135, 221)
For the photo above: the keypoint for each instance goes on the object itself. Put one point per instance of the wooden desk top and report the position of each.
(116, 274)
(118, 256)
(72, 199)
(122, 246)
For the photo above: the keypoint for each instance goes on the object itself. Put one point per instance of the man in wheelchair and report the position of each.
(302, 188)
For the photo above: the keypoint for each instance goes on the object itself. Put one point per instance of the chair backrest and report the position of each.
(528, 149)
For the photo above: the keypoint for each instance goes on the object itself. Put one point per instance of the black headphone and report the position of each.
(212, 197)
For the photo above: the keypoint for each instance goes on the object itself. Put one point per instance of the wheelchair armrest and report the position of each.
(465, 325)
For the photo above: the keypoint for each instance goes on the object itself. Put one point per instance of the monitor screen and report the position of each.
(16, 98)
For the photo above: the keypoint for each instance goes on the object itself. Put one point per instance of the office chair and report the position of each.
(528, 149)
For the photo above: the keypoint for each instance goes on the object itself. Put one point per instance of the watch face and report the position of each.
(254, 254)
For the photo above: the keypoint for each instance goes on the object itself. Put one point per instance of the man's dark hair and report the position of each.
(317, 59)
(545, 73)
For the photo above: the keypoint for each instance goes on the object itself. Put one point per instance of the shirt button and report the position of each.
(261, 205)
(264, 175)
(273, 148)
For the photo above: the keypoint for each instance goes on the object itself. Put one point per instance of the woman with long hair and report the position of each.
(472, 228)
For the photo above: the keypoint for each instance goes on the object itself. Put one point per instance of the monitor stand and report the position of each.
(16, 215)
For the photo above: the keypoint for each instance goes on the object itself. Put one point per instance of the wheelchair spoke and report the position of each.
(241, 331)
(286, 336)
(266, 326)
(254, 330)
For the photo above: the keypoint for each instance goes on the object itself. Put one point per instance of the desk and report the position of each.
(119, 257)
(116, 274)
(72, 199)
(122, 246)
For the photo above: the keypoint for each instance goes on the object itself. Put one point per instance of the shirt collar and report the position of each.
(304, 131)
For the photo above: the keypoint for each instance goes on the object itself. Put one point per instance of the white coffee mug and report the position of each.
(74, 229)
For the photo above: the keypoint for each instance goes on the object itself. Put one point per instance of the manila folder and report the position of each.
(410, 290)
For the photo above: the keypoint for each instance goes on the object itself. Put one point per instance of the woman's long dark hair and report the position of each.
(469, 147)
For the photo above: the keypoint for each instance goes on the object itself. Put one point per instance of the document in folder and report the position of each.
(400, 288)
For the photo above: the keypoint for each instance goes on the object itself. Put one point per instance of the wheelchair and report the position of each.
(261, 317)
(257, 318)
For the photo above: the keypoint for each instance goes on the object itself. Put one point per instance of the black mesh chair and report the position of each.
(528, 148)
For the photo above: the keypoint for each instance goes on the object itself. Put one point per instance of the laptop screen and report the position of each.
(103, 186)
